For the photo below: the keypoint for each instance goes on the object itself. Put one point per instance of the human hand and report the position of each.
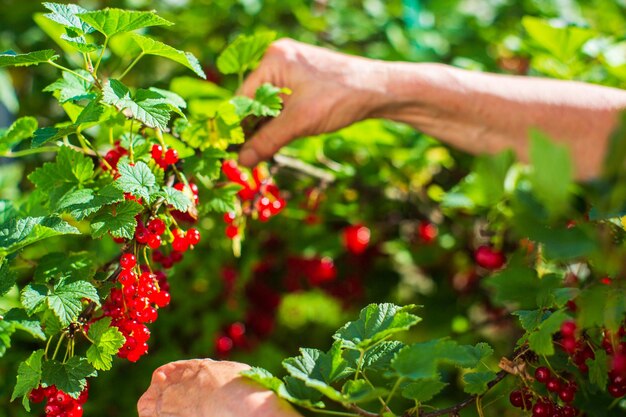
(206, 388)
(330, 90)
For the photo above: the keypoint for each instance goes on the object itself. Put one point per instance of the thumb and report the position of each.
(269, 139)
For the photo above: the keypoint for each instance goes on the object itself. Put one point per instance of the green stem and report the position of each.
(131, 151)
(332, 413)
(62, 68)
(393, 390)
(104, 47)
(359, 364)
(83, 143)
(240, 77)
(45, 352)
(132, 64)
(56, 350)
(32, 151)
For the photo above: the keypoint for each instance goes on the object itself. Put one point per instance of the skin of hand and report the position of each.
(207, 388)
(330, 91)
(472, 111)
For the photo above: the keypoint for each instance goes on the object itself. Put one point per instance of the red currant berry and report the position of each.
(567, 394)
(154, 241)
(553, 384)
(156, 226)
(568, 329)
(180, 244)
(516, 398)
(223, 345)
(161, 299)
(128, 260)
(569, 345)
(171, 156)
(489, 258)
(75, 411)
(232, 231)
(569, 411)
(542, 374)
(142, 235)
(193, 236)
(356, 238)
(127, 277)
(157, 152)
(616, 391)
(541, 409)
(427, 231)
(37, 395)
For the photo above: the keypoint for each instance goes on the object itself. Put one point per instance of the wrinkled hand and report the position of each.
(206, 388)
(330, 90)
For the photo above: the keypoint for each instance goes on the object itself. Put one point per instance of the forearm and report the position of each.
(487, 113)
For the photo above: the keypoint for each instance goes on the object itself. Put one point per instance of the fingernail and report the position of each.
(248, 157)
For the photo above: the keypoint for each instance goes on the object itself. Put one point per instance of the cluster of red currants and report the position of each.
(259, 197)
(182, 242)
(134, 305)
(112, 157)
(545, 406)
(164, 159)
(59, 404)
(579, 349)
(616, 349)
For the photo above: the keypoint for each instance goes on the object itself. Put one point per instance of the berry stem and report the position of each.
(56, 349)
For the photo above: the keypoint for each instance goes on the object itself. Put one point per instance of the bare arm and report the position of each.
(472, 111)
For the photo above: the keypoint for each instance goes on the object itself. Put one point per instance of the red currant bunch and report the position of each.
(112, 157)
(58, 403)
(164, 157)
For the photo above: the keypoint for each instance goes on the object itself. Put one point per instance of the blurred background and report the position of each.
(297, 280)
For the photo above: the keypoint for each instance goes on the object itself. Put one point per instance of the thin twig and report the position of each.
(458, 407)
(298, 165)
(361, 411)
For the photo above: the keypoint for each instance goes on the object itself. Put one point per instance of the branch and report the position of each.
(361, 411)
(454, 410)
(297, 165)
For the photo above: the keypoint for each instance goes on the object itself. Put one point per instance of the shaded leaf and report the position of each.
(10, 58)
(69, 377)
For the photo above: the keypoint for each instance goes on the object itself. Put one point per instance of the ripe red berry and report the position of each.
(356, 238)
(161, 299)
(232, 231)
(193, 236)
(75, 411)
(516, 398)
(567, 394)
(229, 217)
(127, 277)
(569, 411)
(154, 241)
(553, 384)
(569, 345)
(542, 374)
(427, 231)
(223, 345)
(157, 152)
(616, 391)
(156, 226)
(489, 258)
(180, 244)
(128, 261)
(541, 409)
(568, 329)
(37, 395)
(171, 156)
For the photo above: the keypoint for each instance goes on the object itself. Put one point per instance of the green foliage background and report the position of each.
(406, 173)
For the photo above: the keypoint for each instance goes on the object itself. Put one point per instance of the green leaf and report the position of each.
(80, 43)
(601, 306)
(423, 390)
(599, 370)
(521, 286)
(119, 220)
(552, 173)
(69, 377)
(137, 180)
(266, 102)
(207, 163)
(19, 233)
(20, 320)
(296, 391)
(530, 319)
(177, 199)
(33, 298)
(149, 107)
(376, 322)
(91, 113)
(150, 46)
(476, 382)
(71, 266)
(376, 359)
(360, 390)
(71, 170)
(6, 331)
(71, 87)
(66, 15)
(46, 134)
(65, 299)
(84, 202)
(564, 43)
(317, 370)
(7, 277)
(263, 377)
(107, 341)
(540, 341)
(22, 128)
(111, 21)
(421, 360)
(223, 199)
(244, 53)
(10, 58)
(28, 376)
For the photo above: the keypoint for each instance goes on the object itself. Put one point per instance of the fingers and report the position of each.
(269, 139)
